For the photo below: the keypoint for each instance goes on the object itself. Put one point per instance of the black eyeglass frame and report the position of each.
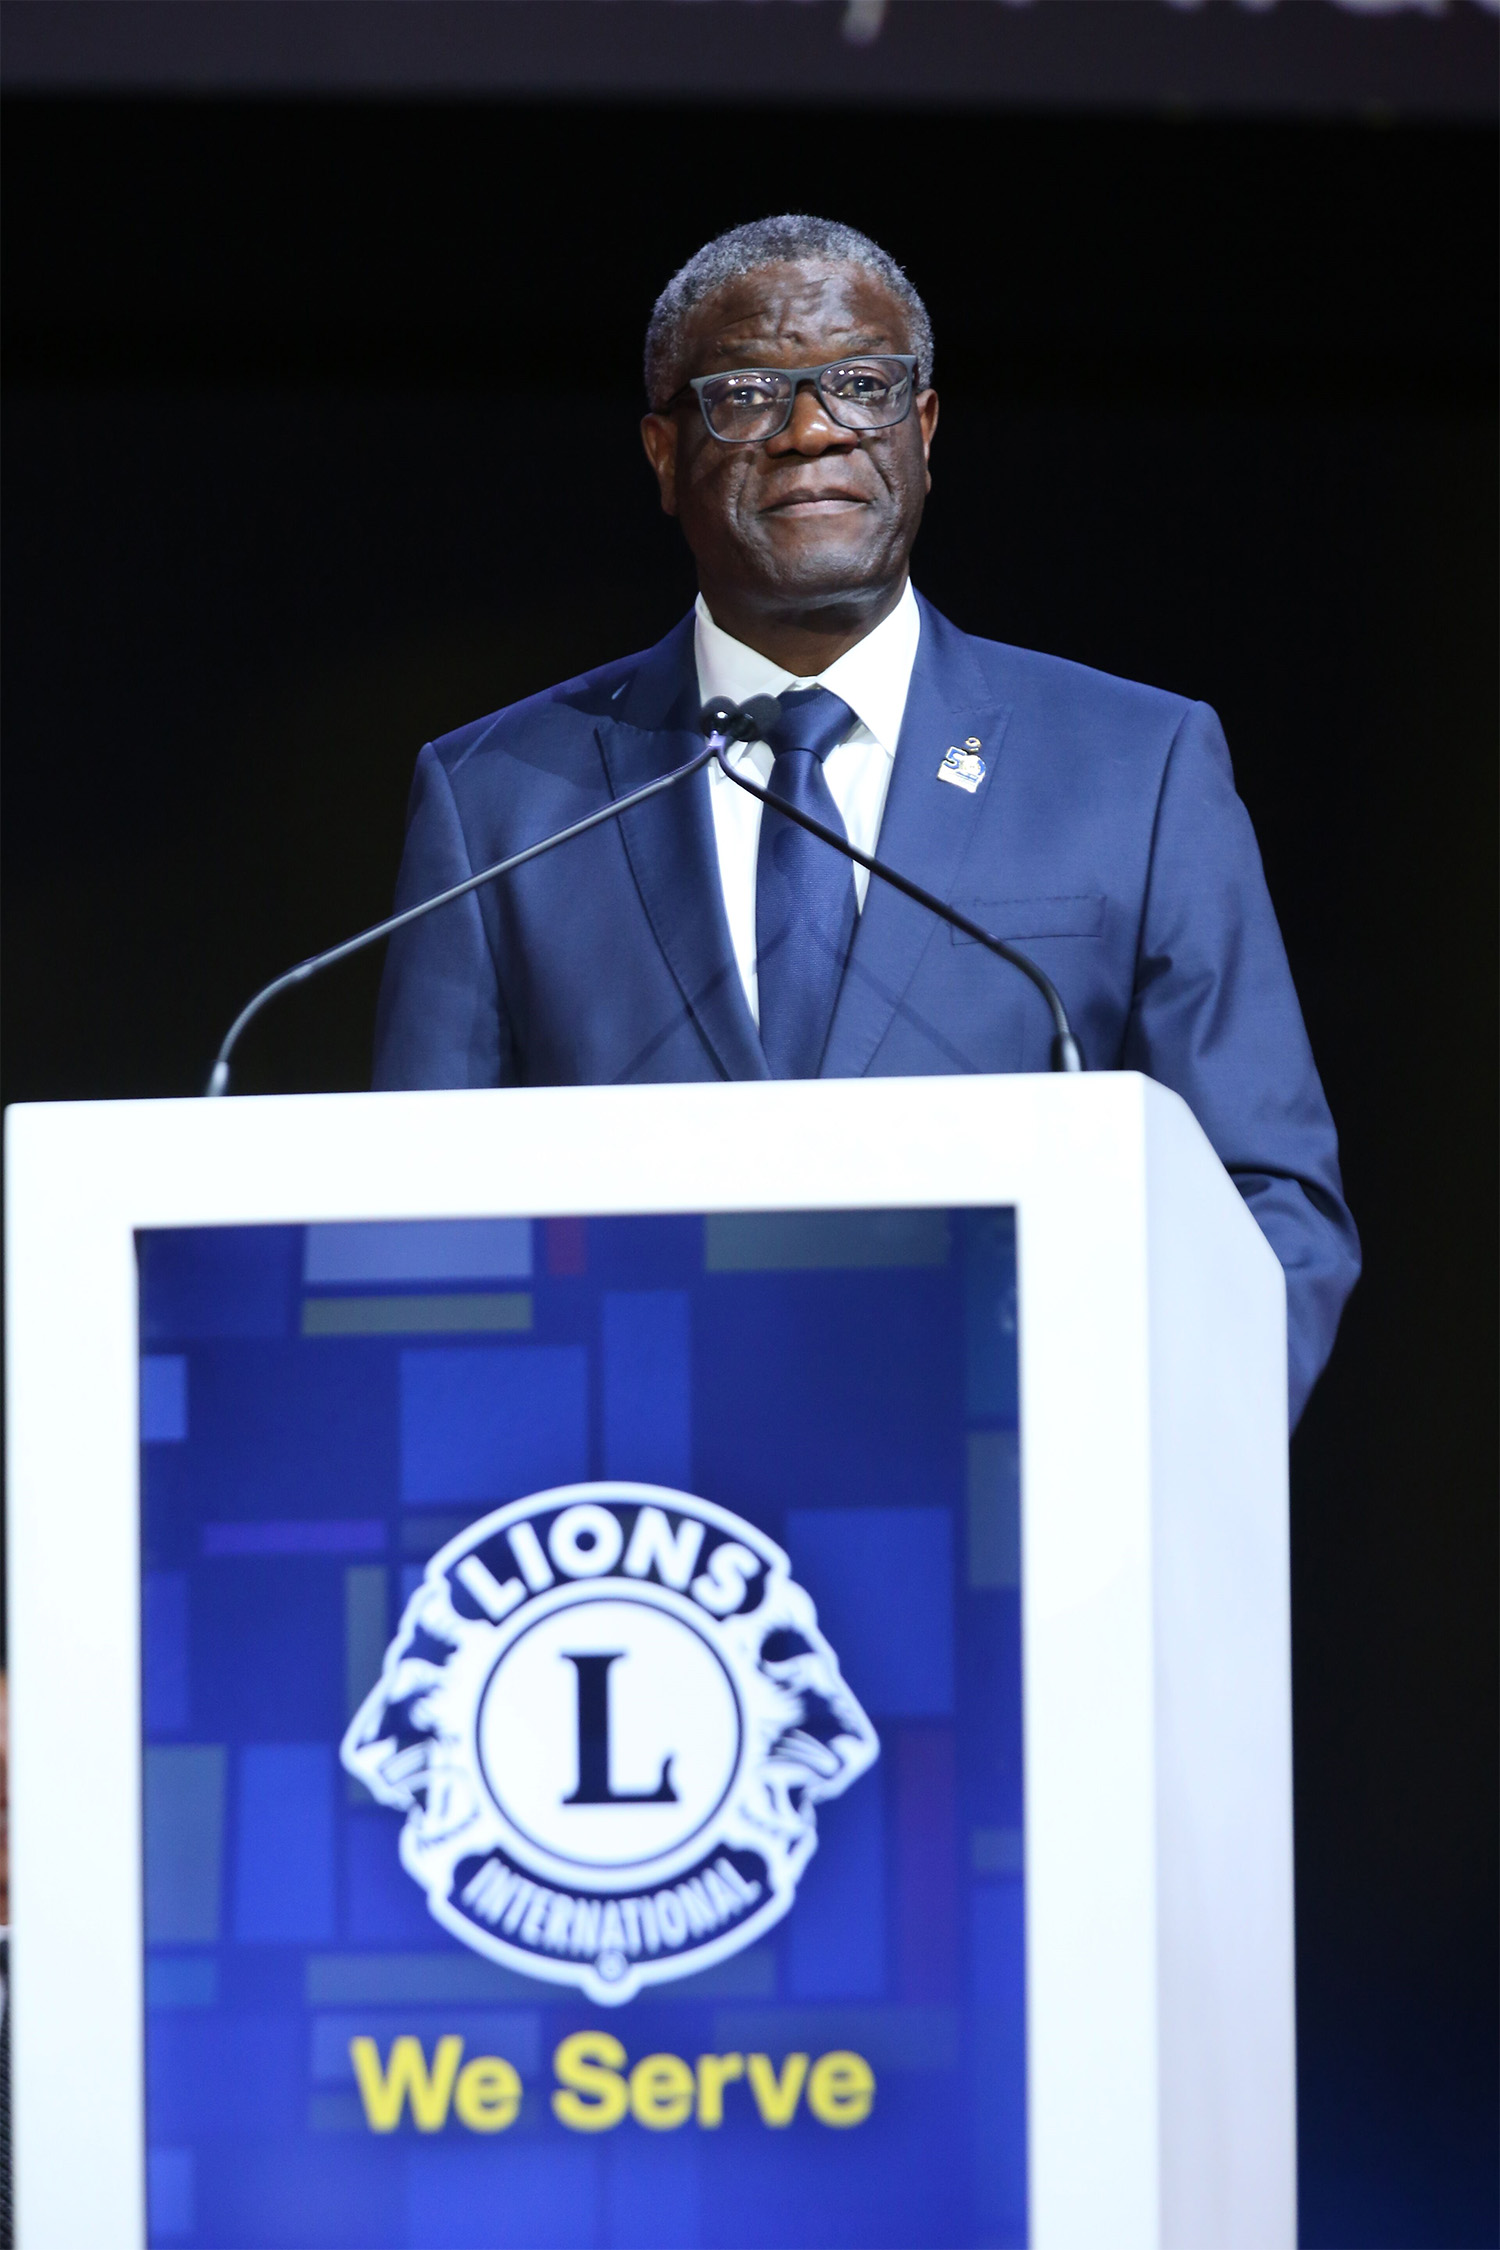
(797, 376)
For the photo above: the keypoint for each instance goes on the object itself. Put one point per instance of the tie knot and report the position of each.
(812, 719)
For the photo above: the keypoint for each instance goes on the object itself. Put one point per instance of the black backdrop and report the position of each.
(319, 439)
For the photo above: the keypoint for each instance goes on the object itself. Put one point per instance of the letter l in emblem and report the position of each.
(594, 1785)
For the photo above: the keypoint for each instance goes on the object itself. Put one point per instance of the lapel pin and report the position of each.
(964, 768)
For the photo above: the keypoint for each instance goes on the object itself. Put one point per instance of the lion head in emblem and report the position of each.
(814, 1737)
(409, 1755)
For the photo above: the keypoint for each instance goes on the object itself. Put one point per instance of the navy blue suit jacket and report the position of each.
(1106, 840)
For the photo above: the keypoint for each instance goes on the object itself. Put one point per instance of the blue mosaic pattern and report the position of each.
(845, 1381)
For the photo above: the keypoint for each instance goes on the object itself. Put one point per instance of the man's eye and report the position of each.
(746, 394)
(859, 383)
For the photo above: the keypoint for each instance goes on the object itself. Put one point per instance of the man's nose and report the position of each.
(811, 430)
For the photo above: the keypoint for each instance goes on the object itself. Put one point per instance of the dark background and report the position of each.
(320, 439)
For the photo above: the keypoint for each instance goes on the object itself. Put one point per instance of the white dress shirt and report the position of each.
(872, 678)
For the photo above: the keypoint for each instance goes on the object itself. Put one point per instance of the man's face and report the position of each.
(795, 523)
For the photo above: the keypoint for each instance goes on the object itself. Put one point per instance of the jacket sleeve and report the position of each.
(1215, 1016)
(441, 1019)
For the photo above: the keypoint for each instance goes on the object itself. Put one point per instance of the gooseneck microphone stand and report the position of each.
(723, 723)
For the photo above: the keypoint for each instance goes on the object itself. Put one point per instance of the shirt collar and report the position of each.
(872, 677)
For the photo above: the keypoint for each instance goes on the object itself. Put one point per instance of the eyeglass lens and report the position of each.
(858, 394)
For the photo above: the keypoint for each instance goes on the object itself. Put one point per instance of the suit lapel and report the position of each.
(926, 830)
(669, 842)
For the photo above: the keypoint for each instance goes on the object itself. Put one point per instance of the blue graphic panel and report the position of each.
(383, 1906)
(998, 1975)
(327, 2064)
(653, 2195)
(412, 1250)
(488, 1422)
(182, 1980)
(169, 2194)
(164, 1407)
(457, 2198)
(283, 1890)
(184, 1819)
(648, 1421)
(836, 1940)
(990, 1370)
(883, 1582)
(164, 1637)
(218, 1281)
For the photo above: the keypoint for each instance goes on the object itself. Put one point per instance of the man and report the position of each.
(1092, 821)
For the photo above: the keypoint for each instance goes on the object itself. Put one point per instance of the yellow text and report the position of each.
(597, 2088)
(485, 2095)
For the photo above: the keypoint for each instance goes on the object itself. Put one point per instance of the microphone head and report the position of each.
(758, 717)
(721, 717)
(739, 722)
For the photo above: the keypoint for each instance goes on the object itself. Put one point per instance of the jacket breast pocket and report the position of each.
(1018, 919)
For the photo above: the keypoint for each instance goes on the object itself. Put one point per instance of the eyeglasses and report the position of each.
(751, 404)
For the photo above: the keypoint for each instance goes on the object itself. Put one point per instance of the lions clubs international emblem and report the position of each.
(609, 1717)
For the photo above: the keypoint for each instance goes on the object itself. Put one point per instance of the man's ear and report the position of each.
(927, 418)
(659, 437)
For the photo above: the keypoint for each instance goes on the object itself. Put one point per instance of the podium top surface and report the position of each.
(786, 1144)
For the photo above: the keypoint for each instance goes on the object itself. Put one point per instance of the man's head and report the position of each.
(806, 531)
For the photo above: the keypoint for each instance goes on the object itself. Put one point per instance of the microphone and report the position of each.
(724, 722)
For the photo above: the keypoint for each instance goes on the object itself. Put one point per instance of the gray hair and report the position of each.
(771, 242)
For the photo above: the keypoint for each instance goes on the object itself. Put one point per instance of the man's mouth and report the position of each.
(815, 504)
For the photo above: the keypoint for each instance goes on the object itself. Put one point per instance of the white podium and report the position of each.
(1154, 1667)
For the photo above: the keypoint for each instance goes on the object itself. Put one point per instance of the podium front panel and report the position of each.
(664, 1665)
(727, 1851)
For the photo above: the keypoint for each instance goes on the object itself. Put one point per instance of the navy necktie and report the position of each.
(804, 889)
